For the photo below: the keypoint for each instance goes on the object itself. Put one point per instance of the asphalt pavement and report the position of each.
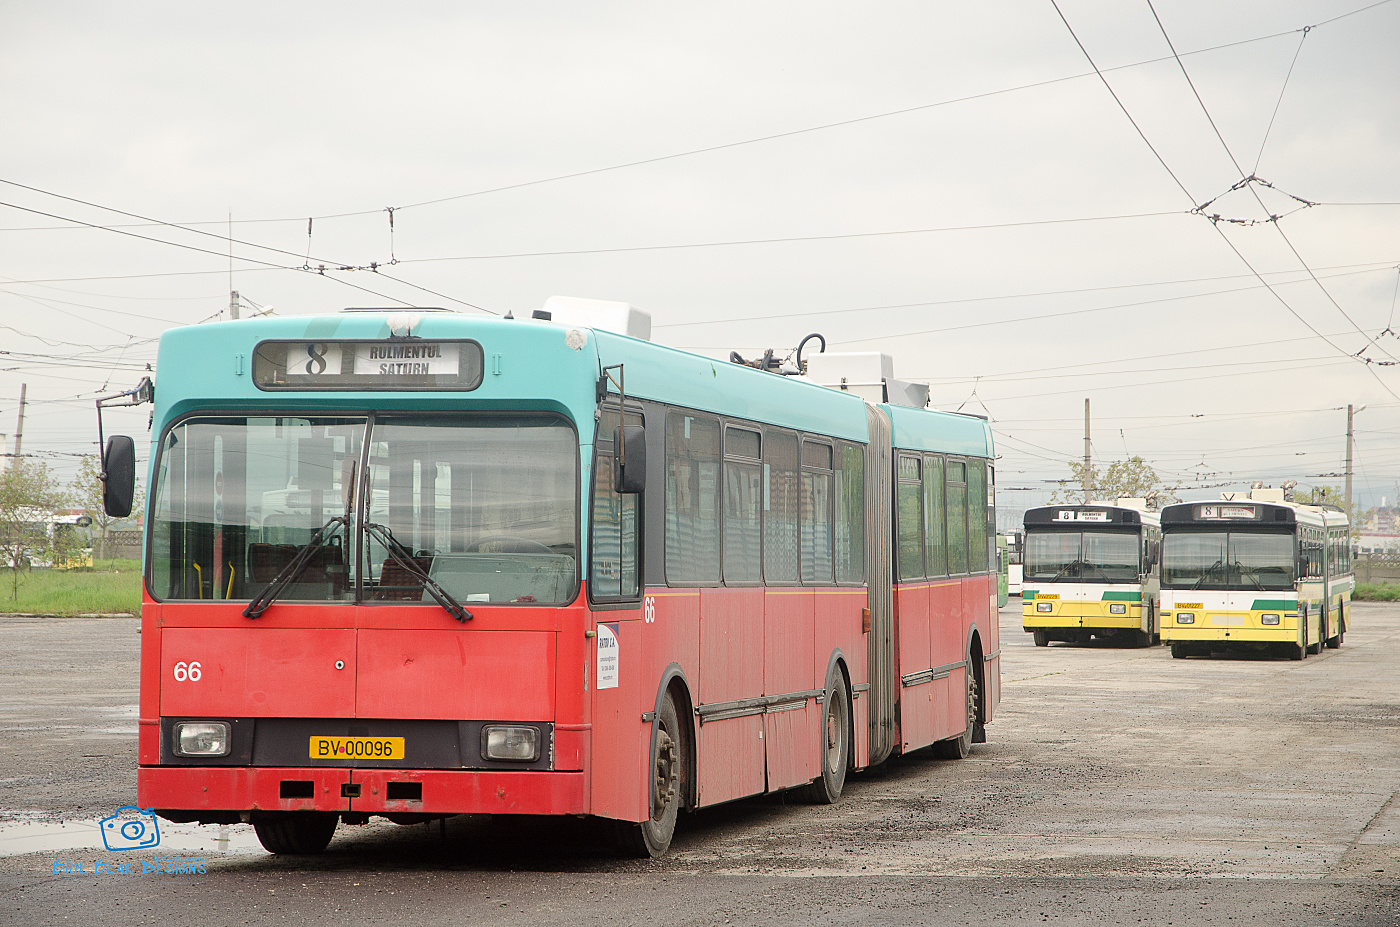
(1118, 786)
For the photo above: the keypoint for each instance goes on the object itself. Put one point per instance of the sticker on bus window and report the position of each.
(608, 651)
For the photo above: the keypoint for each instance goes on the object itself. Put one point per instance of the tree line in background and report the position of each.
(1135, 478)
(31, 498)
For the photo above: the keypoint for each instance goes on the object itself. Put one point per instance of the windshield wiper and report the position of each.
(283, 579)
(1239, 568)
(1206, 575)
(400, 555)
(1065, 569)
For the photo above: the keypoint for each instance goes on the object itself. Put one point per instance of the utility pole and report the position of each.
(233, 304)
(1349, 415)
(1087, 500)
(18, 430)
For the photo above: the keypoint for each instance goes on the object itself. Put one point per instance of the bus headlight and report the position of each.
(502, 742)
(1044, 606)
(1118, 608)
(201, 738)
(1268, 619)
(1185, 618)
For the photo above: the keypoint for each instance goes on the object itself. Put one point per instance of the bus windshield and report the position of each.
(1082, 556)
(1227, 560)
(486, 506)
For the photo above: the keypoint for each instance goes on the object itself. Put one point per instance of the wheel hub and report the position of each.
(663, 788)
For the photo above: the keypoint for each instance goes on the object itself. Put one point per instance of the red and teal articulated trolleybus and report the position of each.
(419, 564)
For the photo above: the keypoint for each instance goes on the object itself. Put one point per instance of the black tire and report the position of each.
(1041, 638)
(1336, 640)
(652, 837)
(957, 748)
(835, 746)
(295, 833)
(1321, 634)
(1179, 651)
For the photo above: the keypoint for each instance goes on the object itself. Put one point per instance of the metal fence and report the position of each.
(1378, 568)
(121, 545)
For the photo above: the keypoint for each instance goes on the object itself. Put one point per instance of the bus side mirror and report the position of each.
(119, 479)
(1154, 553)
(630, 454)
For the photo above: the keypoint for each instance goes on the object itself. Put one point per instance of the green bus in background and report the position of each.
(1003, 576)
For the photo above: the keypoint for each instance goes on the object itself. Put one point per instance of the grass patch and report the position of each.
(1376, 592)
(106, 587)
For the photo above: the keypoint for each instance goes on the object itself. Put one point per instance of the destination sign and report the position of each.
(1072, 515)
(1225, 511)
(368, 365)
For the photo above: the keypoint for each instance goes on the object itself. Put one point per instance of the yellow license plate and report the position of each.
(357, 748)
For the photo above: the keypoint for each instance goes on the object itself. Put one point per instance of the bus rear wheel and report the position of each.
(1321, 634)
(652, 837)
(957, 748)
(1336, 641)
(836, 746)
(295, 833)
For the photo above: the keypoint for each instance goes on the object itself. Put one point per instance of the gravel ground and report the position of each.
(1120, 786)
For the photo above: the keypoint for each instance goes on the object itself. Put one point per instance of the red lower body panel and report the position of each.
(203, 788)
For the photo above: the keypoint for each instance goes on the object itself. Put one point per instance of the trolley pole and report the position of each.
(1087, 500)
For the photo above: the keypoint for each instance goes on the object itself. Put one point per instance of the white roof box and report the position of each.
(603, 314)
(868, 374)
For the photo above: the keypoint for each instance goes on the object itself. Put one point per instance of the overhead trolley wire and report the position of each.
(1070, 312)
(305, 268)
(1298, 51)
(749, 141)
(1370, 268)
(1246, 181)
(1216, 226)
(795, 238)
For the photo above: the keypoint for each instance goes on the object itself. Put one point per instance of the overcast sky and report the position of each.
(949, 183)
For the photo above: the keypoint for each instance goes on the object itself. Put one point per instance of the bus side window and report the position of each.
(614, 572)
(909, 517)
(815, 515)
(957, 516)
(780, 504)
(692, 499)
(743, 498)
(850, 514)
(935, 518)
(977, 515)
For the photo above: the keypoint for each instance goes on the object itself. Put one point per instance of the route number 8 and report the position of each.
(188, 671)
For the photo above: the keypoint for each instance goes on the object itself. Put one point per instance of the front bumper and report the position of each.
(1238, 626)
(195, 789)
(1071, 614)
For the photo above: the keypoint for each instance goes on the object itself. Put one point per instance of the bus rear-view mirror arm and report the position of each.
(630, 453)
(117, 469)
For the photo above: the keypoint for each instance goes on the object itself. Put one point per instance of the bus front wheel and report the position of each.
(652, 837)
(1321, 634)
(295, 833)
(1042, 638)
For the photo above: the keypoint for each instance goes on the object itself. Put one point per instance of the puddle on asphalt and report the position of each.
(20, 837)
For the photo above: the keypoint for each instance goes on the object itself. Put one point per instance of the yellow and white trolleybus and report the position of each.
(1253, 571)
(1091, 570)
